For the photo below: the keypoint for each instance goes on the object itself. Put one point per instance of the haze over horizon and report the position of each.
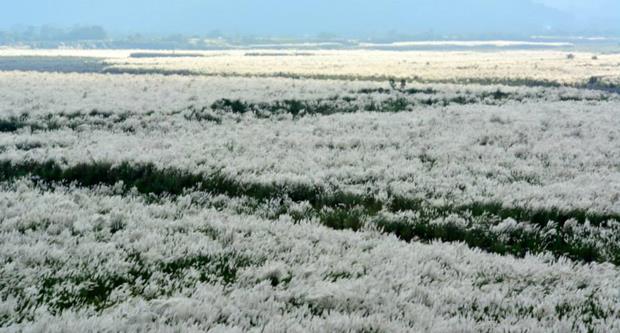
(306, 17)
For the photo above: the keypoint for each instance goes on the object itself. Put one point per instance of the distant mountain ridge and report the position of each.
(303, 17)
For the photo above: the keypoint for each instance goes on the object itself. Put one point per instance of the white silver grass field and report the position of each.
(240, 193)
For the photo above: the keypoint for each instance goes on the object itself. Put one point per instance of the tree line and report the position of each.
(49, 33)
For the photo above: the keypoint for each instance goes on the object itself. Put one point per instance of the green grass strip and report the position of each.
(342, 210)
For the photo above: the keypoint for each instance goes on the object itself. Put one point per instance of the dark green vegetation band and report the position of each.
(297, 108)
(341, 210)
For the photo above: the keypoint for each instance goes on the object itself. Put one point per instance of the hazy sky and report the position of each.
(299, 17)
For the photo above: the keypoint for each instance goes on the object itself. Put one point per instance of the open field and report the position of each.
(287, 191)
(508, 67)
